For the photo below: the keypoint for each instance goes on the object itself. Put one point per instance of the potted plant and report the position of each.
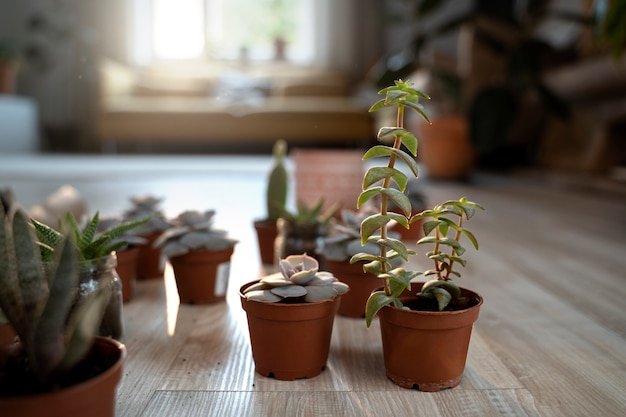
(97, 261)
(290, 318)
(200, 256)
(58, 366)
(425, 327)
(343, 242)
(149, 261)
(303, 230)
(275, 201)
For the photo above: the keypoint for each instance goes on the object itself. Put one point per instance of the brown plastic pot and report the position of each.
(427, 350)
(266, 232)
(361, 286)
(93, 398)
(289, 341)
(149, 263)
(127, 270)
(202, 275)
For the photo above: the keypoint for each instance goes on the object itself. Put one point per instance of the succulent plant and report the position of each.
(92, 243)
(313, 214)
(147, 206)
(387, 184)
(192, 230)
(37, 298)
(277, 182)
(299, 280)
(344, 239)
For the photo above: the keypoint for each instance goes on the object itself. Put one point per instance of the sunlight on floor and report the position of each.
(172, 300)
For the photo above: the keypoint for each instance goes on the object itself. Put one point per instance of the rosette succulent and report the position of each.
(299, 280)
(147, 206)
(192, 230)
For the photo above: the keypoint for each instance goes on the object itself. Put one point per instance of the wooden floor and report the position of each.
(550, 340)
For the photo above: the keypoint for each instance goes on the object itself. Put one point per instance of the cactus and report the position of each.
(277, 184)
(299, 278)
(37, 299)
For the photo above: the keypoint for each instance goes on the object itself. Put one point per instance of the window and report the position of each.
(220, 29)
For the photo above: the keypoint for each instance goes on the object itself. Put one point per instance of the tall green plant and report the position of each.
(387, 183)
(277, 182)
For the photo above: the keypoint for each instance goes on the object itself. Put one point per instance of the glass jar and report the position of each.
(102, 270)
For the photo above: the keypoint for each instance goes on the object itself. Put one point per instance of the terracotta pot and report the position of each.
(289, 341)
(266, 232)
(149, 262)
(8, 77)
(361, 286)
(427, 350)
(445, 149)
(202, 276)
(93, 398)
(7, 335)
(127, 270)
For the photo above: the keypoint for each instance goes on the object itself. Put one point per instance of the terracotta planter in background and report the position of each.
(7, 335)
(149, 262)
(427, 350)
(127, 270)
(94, 397)
(289, 341)
(266, 232)
(361, 285)
(202, 275)
(445, 149)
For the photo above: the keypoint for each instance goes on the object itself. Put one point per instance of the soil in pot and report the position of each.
(361, 286)
(202, 275)
(266, 232)
(427, 350)
(127, 270)
(149, 261)
(289, 340)
(89, 391)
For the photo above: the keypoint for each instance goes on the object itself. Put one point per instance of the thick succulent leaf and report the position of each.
(397, 245)
(471, 238)
(288, 291)
(341, 287)
(49, 347)
(322, 279)
(371, 224)
(442, 296)
(375, 302)
(400, 200)
(320, 293)
(263, 295)
(275, 280)
(33, 285)
(419, 108)
(257, 286)
(378, 151)
(401, 277)
(450, 286)
(367, 195)
(376, 174)
(10, 298)
(408, 139)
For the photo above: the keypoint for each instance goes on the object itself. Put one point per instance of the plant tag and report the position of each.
(221, 280)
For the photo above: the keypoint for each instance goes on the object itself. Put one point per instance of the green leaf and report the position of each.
(376, 174)
(397, 245)
(443, 297)
(378, 151)
(448, 285)
(399, 199)
(367, 195)
(429, 226)
(371, 224)
(399, 218)
(471, 238)
(375, 302)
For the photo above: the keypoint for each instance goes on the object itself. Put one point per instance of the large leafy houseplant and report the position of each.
(55, 337)
(443, 229)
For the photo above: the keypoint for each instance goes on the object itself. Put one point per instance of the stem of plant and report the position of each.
(453, 252)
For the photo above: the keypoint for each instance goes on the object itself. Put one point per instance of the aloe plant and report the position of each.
(91, 242)
(387, 184)
(299, 280)
(310, 214)
(37, 299)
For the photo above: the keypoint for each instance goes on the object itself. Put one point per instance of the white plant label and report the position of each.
(221, 280)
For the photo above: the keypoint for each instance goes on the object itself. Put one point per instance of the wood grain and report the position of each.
(550, 339)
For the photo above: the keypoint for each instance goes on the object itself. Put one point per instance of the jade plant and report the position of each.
(299, 280)
(387, 184)
(37, 298)
(193, 230)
